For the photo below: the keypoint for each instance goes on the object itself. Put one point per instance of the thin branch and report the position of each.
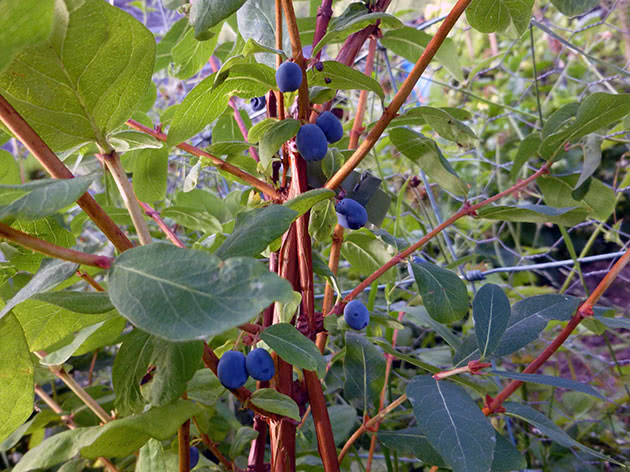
(324, 14)
(52, 250)
(213, 447)
(298, 57)
(407, 87)
(584, 311)
(183, 446)
(47, 158)
(219, 163)
(90, 280)
(464, 211)
(150, 212)
(357, 126)
(112, 161)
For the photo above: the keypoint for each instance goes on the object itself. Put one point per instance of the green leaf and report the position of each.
(204, 14)
(307, 200)
(51, 274)
(184, 294)
(530, 316)
(424, 152)
(366, 254)
(258, 131)
(453, 423)
(532, 213)
(204, 201)
(592, 158)
(574, 7)
(411, 442)
(255, 229)
(355, 18)
(276, 135)
(206, 102)
(61, 355)
(558, 192)
(164, 47)
(410, 43)
(79, 302)
(527, 149)
(510, 17)
(243, 438)
(322, 221)
(444, 295)
(254, 47)
(599, 110)
(342, 77)
(16, 375)
(23, 23)
(273, 401)
(131, 140)
(506, 457)
(189, 54)
(419, 316)
(560, 119)
(193, 220)
(294, 348)
(175, 364)
(447, 126)
(204, 387)
(41, 198)
(9, 169)
(118, 438)
(364, 371)
(491, 312)
(87, 79)
(151, 457)
(551, 380)
(150, 173)
(549, 428)
(614, 323)
(106, 335)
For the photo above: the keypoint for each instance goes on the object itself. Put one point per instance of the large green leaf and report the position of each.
(424, 152)
(204, 14)
(255, 229)
(551, 380)
(491, 312)
(558, 192)
(336, 75)
(510, 17)
(549, 428)
(16, 377)
(293, 347)
(23, 23)
(185, 294)
(364, 370)
(366, 254)
(207, 101)
(51, 274)
(444, 295)
(355, 17)
(410, 43)
(41, 198)
(269, 399)
(453, 423)
(87, 79)
(117, 438)
(175, 364)
(150, 172)
(599, 110)
(532, 213)
(151, 457)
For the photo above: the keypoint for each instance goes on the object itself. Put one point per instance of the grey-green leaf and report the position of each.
(424, 152)
(273, 401)
(41, 198)
(364, 370)
(444, 295)
(78, 302)
(184, 294)
(532, 213)
(61, 355)
(574, 7)
(277, 134)
(411, 441)
(491, 312)
(294, 348)
(86, 79)
(338, 76)
(204, 14)
(446, 125)
(551, 380)
(255, 229)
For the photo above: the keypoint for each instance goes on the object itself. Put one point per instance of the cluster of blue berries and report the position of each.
(234, 368)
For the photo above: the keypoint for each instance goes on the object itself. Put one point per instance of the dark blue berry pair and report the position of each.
(234, 369)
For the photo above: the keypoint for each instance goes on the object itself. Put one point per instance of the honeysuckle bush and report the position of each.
(193, 226)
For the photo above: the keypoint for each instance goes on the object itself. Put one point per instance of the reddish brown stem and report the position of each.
(52, 250)
(298, 57)
(151, 213)
(357, 126)
(209, 443)
(219, 163)
(402, 94)
(585, 310)
(325, 439)
(90, 280)
(256, 460)
(465, 210)
(183, 443)
(324, 14)
(36, 145)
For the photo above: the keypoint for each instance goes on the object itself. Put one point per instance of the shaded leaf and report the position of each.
(574, 7)
(273, 401)
(491, 312)
(150, 173)
(366, 254)
(447, 126)
(189, 54)
(532, 213)
(204, 14)
(61, 355)
(527, 149)
(364, 369)
(277, 134)
(551, 380)
(305, 201)
(294, 348)
(411, 441)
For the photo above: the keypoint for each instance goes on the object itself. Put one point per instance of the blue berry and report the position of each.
(356, 315)
(289, 77)
(194, 457)
(258, 103)
(331, 126)
(351, 214)
(311, 142)
(232, 371)
(260, 365)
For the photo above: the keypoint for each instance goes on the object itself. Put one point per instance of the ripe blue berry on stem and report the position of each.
(289, 77)
(258, 103)
(260, 365)
(311, 142)
(331, 126)
(351, 214)
(232, 371)
(194, 457)
(356, 315)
